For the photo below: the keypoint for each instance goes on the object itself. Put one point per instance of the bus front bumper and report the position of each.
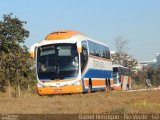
(59, 90)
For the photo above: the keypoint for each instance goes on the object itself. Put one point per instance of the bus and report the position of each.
(70, 62)
(122, 77)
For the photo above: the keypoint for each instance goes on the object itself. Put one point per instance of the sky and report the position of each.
(137, 21)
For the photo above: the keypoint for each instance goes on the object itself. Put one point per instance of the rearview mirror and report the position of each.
(32, 50)
(79, 47)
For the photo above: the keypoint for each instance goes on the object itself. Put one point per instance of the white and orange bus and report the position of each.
(122, 77)
(70, 62)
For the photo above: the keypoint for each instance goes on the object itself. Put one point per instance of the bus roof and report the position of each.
(60, 35)
(67, 36)
(117, 65)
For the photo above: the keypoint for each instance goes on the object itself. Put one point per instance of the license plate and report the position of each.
(58, 90)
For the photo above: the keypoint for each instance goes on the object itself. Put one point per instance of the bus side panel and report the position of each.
(98, 68)
(95, 73)
(98, 78)
(97, 84)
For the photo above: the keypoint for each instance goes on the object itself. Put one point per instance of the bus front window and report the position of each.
(57, 61)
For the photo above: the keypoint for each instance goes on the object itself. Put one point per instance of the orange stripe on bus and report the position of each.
(111, 82)
(117, 87)
(98, 82)
(95, 82)
(86, 82)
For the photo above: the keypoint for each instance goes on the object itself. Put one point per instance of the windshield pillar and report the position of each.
(79, 60)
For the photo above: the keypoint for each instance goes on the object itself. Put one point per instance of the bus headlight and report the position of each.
(39, 86)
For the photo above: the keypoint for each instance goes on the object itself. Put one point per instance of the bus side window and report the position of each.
(84, 55)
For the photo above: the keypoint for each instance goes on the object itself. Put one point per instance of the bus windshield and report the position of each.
(57, 61)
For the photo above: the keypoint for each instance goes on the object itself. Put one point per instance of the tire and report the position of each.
(107, 85)
(90, 86)
(121, 86)
(127, 86)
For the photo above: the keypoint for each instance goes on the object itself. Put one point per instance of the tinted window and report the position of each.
(121, 71)
(115, 69)
(98, 50)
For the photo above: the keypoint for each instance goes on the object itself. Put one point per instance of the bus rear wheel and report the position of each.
(89, 86)
(107, 84)
(127, 86)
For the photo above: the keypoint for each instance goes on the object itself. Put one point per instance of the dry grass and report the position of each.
(116, 102)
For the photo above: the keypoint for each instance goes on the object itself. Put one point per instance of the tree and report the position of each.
(156, 76)
(148, 75)
(120, 44)
(14, 64)
(120, 56)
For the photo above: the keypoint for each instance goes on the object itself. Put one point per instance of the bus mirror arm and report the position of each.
(79, 47)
